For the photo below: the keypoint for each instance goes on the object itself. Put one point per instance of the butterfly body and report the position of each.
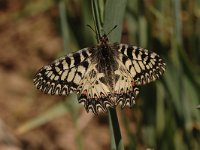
(105, 57)
(104, 75)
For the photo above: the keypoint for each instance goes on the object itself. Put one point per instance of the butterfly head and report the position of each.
(104, 39)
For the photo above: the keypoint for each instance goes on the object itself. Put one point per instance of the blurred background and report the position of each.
(165, 115)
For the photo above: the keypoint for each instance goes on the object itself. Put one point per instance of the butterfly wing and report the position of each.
(94, 92)
(144, 66)
(125, 89)
(63, 75)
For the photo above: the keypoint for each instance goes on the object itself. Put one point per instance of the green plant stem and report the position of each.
(97, 11)
(116, 138)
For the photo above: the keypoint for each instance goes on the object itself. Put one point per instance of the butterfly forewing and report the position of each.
(143, 65)
(63, 75)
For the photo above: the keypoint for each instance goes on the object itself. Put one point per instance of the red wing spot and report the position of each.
(132, 83)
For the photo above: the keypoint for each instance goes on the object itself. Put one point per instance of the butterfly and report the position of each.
(103, 76)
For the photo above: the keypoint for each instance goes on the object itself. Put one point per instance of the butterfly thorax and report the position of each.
(105, 56)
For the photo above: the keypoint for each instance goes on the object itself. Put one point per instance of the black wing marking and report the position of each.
(63, 75)
(143, 65)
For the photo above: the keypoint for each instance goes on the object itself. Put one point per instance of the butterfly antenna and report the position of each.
(94, 30)
(91, 28)
(111, 30)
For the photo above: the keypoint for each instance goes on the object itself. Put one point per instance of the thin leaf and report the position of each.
(56, 111)
(64, 24)
(160, 112)
(114, 15)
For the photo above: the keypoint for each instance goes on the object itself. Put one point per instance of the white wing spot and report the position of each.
(150, 64)
(81, 69)
(147, 66)
(49, 74)
(133, 72)
(71, 75)
(56, 78)
(137, 68)
(65, 65)
(57, 69)
(52, 76)
(77, 79)
(128, 63)
(153, 61)
(72, 62)
(64, 75)
(141, 65)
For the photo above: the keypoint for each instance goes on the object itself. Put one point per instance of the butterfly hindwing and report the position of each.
(94, 92)
(125, 89)
(143, 65)
(63, 75)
